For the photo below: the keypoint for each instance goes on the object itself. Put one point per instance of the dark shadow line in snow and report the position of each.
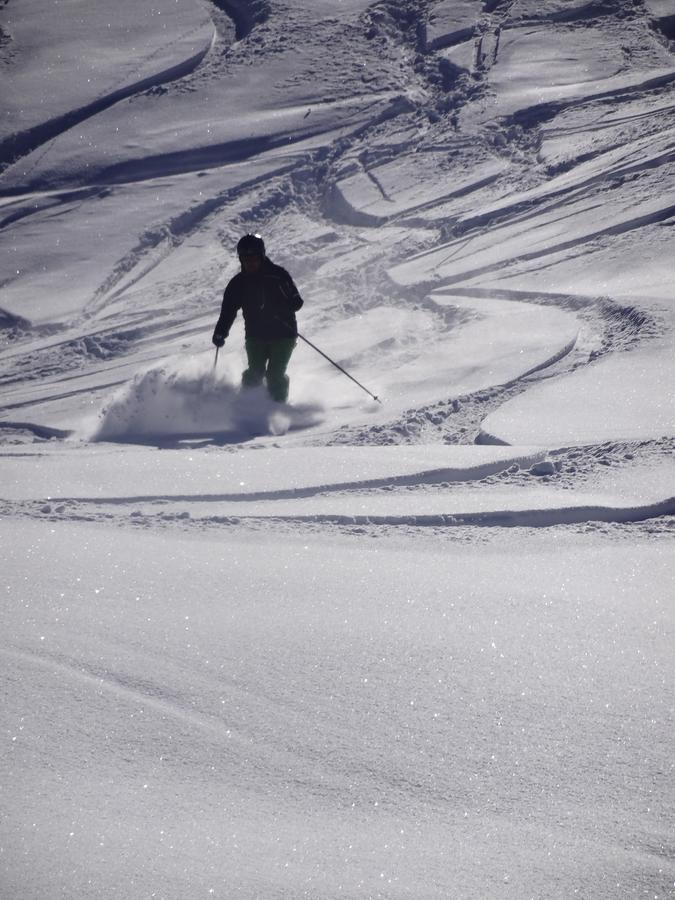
(25, 142)
(459, 192)
(651, 218)
(525, 518)
(609, 173)
(530, 208)
(11, 322)
(664, 23)
(64, 395)
(458, 35)
(540, 113)
(593, 9)
(426, 477)
(619, 170)
(245, 14)
(40, 431)
(31, 205)
(196, 159)
(343, 213)
(188, 440)
(214, 156)
(557, 298)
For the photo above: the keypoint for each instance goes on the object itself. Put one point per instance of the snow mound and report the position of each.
(625, 397)
(179, 398)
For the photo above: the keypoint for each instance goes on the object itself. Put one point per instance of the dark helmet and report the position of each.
(251, 245)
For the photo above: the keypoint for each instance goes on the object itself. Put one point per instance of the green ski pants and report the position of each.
(268, 360)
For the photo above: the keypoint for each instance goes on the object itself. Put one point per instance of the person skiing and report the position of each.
(268, 299)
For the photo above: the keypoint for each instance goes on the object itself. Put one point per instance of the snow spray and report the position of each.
(189, 398)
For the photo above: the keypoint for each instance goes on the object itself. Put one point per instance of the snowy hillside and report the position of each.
(419, 648)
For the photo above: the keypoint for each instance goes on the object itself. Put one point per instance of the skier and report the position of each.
(268, 299)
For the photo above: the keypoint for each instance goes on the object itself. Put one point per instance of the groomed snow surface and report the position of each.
(416, 648)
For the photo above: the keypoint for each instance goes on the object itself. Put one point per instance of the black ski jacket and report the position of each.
(268, 300)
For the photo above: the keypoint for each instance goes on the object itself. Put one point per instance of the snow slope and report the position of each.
(336, 647)
(209, 747)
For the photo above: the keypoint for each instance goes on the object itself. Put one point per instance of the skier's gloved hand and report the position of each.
(218, 339)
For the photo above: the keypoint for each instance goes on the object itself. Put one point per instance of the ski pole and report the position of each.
(215, 362)
(344, 371)
(331, 361)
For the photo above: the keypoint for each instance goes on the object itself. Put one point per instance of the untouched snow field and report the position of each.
(420, 648)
